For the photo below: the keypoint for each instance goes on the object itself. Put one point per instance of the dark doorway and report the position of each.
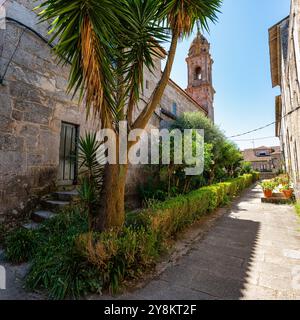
(68, 154)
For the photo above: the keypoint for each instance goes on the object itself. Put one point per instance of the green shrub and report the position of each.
(20, 245)
(2, 233)
(255, 176)
(56, 265)
(59, 269)
(137, 220)
(297, 207)
(268, 185)
(120, 255)
(246, 167)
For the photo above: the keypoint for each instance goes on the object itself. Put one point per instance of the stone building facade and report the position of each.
(39, 123)
(264, 159)
(285, 68)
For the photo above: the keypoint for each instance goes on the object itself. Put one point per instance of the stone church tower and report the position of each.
(199, 63)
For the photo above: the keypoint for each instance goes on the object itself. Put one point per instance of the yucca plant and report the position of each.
(91, 172)
(109, 43)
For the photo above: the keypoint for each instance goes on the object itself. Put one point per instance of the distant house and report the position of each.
(264, 159)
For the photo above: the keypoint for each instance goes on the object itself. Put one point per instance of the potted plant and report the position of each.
(268, 186)
(287, 190)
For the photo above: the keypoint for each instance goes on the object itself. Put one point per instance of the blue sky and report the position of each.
(241, 74)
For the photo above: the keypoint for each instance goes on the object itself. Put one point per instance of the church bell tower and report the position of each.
(199, 63)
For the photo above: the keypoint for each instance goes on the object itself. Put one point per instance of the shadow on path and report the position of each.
(242, 257)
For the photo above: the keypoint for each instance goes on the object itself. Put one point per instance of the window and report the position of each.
(198, 74)
(147, 84)
(174, 108)
(262, 153)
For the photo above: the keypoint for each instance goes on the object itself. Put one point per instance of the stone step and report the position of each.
(54, 205)
(67, 188)
(40, 216)
(65, 195)
(277, 200)
(31, 225)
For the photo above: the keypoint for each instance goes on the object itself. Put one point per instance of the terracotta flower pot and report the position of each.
(288, 193)
(268, 193)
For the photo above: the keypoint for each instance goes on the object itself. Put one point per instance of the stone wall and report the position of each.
(184, 103)
(290, 87)
(33, 104)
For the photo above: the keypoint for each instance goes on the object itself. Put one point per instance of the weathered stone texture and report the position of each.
(174, 94)
(33, 104)
(290, 92)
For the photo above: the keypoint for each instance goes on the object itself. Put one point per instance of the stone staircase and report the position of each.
(49, 206)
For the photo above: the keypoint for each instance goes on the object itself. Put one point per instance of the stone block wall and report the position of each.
(33, 104)
(184, 103)
(290, 87)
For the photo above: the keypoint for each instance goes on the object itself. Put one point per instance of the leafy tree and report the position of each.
(246, 167)
(231, 158)
(212, 135)
(109, 43)
(226, 157)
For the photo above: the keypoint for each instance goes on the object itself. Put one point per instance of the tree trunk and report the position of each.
(112, 199)
(211, 176)
(112, 205)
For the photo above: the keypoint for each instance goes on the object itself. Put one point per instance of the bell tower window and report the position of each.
(198, 74)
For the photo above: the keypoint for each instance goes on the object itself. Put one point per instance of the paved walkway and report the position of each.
(14, 283)
(253, 252)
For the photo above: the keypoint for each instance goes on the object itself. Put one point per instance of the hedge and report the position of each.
(171, 216)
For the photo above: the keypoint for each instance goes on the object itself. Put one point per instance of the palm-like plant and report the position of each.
(109, 43)
(91, 169)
